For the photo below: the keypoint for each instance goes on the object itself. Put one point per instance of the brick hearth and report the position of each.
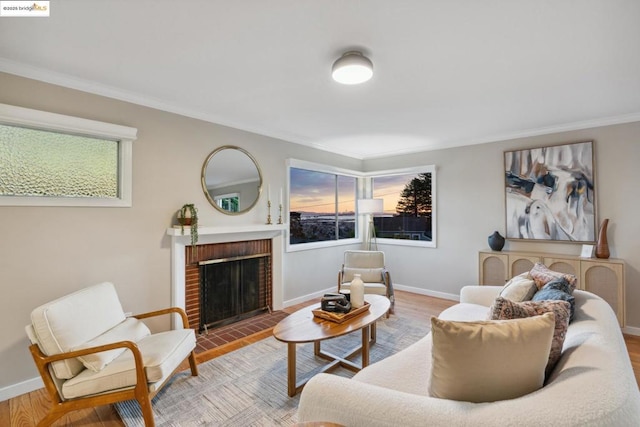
(229, 333)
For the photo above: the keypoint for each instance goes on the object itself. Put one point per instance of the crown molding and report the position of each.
(72, 82)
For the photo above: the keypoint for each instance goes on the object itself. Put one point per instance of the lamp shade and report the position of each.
(370, 206)
(352, 68)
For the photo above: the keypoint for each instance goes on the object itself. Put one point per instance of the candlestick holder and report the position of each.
(280, 215)
(269, 212)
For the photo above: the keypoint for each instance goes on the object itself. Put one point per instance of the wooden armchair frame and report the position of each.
(139, 392)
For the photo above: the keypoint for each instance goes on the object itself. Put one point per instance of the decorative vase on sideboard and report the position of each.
(496, 241)
(602, 246)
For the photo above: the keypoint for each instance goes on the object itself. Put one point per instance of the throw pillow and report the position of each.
(468, 358)
(519, 288)
(131, 329)
(503, 309)
(557, 289)
(541, 274)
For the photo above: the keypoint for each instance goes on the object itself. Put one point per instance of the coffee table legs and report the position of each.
(365, 346)
(368, 338)
(291, 369)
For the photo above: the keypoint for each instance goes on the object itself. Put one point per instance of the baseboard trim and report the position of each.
(308, 297)
(23, 387)
(421, 291)
(631, 330)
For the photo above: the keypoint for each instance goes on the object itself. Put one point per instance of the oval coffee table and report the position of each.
(302, 327)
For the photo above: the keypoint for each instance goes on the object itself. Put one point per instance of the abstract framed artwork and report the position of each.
(550, 193)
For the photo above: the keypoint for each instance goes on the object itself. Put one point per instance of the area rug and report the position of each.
(248, 387)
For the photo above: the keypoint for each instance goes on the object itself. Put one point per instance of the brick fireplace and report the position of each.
(227, 282)
(216, 242)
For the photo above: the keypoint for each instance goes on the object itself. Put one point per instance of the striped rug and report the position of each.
(248, 387)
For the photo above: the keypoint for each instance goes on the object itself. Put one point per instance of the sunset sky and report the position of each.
(321, 198)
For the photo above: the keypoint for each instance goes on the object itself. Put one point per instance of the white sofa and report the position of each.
(593, 384)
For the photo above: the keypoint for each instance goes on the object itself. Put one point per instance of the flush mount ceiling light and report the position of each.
(352, 68)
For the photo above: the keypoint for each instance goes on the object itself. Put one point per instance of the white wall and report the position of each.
(48, 252)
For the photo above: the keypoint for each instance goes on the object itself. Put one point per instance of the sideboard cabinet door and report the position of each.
(493, 268)
(519, 263)
(605, 279)
(564, 265)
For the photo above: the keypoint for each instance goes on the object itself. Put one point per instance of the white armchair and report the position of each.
(89, 353)
(371, 268)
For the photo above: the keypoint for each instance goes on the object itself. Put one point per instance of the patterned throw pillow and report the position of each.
(557, 289)
(541, 274)
(503, 309)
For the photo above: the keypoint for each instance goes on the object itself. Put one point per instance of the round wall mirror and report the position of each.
(231, 180)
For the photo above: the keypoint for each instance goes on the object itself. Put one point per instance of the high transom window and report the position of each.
(54, 160)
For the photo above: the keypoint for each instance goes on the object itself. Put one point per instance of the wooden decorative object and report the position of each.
(341, 317)
(602, 247)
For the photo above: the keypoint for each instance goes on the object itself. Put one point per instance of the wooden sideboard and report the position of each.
(603, 277)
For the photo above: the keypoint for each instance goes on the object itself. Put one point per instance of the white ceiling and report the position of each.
(446, 73)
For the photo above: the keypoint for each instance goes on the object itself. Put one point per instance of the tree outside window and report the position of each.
(408, 206)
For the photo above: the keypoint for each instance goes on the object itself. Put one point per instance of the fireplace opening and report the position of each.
(233, 289)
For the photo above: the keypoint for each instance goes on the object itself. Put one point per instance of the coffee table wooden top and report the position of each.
(302, 326)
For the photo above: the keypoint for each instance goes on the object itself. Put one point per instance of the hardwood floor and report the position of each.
(26, 410)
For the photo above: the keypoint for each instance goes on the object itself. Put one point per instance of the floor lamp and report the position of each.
(370, 207)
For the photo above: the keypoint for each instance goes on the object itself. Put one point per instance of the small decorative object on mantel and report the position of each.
(496, 241)
(269, 205)
(188, 217)
(280, 215)
(602, 247)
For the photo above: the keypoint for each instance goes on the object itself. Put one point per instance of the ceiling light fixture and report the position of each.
(352, 68)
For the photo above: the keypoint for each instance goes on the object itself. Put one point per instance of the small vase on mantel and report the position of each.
(602, 246)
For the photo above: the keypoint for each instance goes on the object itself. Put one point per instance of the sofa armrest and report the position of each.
(330, 398)
(481, 295)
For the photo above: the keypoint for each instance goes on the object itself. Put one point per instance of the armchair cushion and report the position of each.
(69, 322)
(129, 330)
(371, 275)
(161, 353)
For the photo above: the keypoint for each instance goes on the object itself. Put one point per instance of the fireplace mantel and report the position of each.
(230, 229)
(222, 234)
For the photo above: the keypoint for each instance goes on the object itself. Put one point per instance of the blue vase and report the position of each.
(496, 241)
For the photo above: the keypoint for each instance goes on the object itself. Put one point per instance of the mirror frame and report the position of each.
(204, 182)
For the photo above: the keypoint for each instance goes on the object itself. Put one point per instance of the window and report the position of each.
(409, 206)
(322, 204)
(228, 202)
(49, 159)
